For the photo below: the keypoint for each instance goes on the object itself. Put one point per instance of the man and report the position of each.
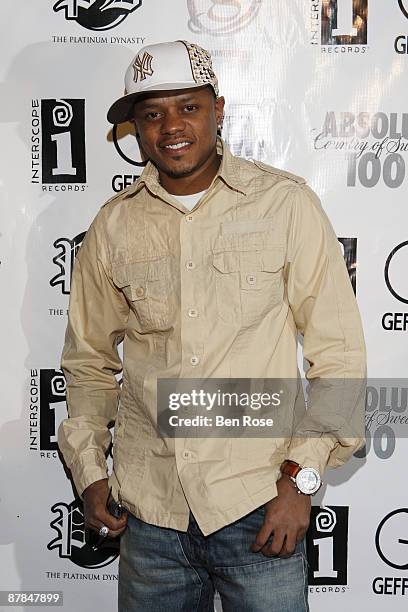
(208, 266)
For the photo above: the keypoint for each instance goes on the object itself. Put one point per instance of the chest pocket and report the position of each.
(146, 285)
(249, 281)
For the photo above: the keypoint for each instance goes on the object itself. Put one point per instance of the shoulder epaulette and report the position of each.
(121, 193)
(117, 195)
(292, 177)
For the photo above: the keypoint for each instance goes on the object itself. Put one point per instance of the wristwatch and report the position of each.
(306, 479)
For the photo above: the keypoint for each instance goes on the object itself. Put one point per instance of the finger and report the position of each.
(102, 517)
(111, 521)
(117, 532)
(112, 533)
(262, 536)
(301, 535)
(289, 545)
(273, 548)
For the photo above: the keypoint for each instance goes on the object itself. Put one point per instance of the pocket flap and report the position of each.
(226, 261)
(246, 226)
(124, 274)
(272, 260)
(135, 271)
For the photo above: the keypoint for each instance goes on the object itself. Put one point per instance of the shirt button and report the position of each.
(194, 360)
(190, 265)
(251, 279)
(140, 291)
(193, 312)
(189, 217)
(186, 454)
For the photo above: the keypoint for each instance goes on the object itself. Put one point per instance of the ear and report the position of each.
(219, 109)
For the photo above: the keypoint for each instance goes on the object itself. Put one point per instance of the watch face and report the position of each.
(308, 481)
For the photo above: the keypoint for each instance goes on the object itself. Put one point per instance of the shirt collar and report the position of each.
(227, 171)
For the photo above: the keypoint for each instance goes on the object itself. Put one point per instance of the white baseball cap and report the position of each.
(163, 66)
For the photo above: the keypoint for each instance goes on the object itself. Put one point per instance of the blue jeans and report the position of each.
(166, 570)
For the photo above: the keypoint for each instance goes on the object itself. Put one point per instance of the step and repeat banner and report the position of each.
(316, 87)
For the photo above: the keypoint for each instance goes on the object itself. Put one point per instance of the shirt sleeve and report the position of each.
(97, 319)
(325, 311)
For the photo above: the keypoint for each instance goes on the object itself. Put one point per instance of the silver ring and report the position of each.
(104, 530)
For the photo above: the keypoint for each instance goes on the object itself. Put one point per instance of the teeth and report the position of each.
(177, 146)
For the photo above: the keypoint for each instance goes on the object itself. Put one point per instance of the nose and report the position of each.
(172, 122)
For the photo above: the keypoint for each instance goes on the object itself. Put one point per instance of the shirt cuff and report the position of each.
(311, 452)
(323, 452)
(89, 467)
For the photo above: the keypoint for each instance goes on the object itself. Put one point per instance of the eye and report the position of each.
(151, 115)
(191, 107)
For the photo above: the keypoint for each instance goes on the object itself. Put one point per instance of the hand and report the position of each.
(95, 509)
(287, 516)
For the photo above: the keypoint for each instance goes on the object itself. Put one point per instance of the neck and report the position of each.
(199, 180)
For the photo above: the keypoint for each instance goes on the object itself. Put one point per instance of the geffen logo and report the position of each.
(401, 41)
(47, 410)
(396, 267)
(221, 17)
(403, 4)
(71, 541)
(391, 539)
(391, 542)
(97, 15)
(58, 126)
(395, 276)
(126, 146)
(65, 259)
(327, 544)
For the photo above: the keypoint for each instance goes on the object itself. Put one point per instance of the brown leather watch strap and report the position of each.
(290, 468)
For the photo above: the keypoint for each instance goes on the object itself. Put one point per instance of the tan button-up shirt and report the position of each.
(218, 291)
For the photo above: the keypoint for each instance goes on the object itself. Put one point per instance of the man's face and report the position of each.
(178, 129)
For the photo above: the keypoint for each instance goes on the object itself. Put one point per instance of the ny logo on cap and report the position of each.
(142, 67)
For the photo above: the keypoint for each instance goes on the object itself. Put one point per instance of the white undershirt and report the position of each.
(189, 201)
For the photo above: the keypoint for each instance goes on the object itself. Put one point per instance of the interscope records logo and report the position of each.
(67, 250)
(47, 409)
(71, 540)
(391, 542)
(327, 544)
(97, 15)
(58, 144)
(341, 25)
(395, 276)
(372, 144)
(221, 17)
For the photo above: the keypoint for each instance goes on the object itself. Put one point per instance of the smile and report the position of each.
(178, 147)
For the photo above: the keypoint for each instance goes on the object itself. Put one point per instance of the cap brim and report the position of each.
(121, 110)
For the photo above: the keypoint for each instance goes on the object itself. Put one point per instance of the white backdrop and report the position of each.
(316, 87)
